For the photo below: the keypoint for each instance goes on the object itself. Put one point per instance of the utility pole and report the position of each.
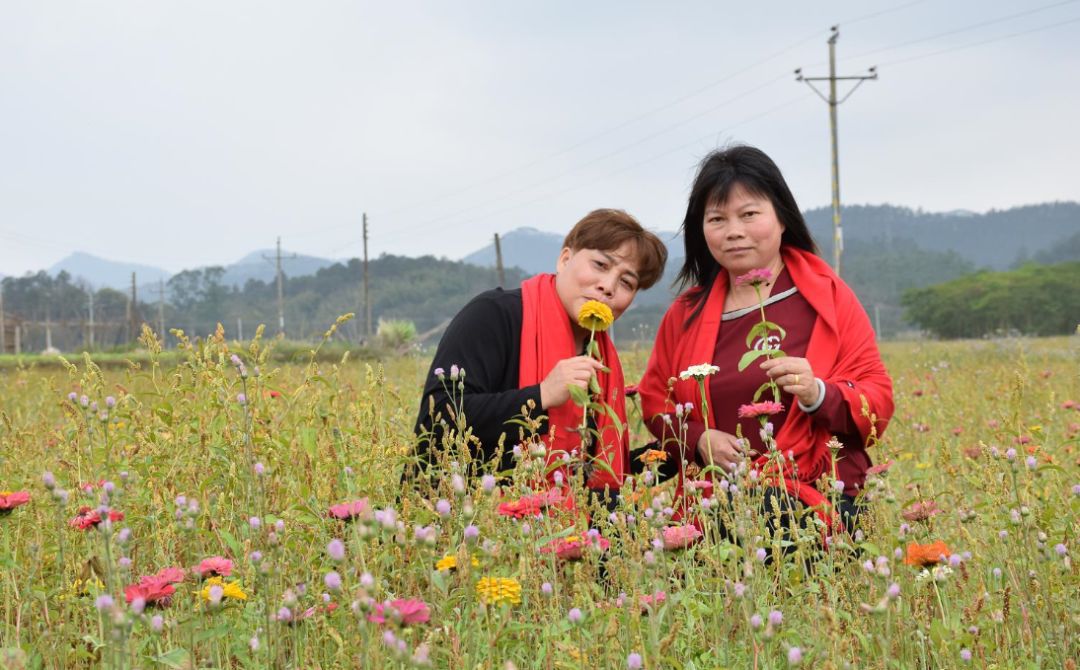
(499, 262)
(280, 288)
(133, 314)
(3, 327)
(367, 286)
(161, 309)
(838, 231)
(90, 295)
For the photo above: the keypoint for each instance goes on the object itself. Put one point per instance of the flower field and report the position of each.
(230, 512)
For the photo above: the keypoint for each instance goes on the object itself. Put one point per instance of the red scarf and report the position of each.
(546, 339)
(842, 350)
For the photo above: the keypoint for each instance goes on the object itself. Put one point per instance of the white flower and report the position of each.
(699, 372)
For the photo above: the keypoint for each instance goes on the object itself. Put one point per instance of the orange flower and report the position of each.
(925, 555)
(653, 456)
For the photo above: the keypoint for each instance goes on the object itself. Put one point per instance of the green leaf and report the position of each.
(751, 356)
(176, 658)
(594, 385)
(579, 395)
(308, 439)
(235, 547)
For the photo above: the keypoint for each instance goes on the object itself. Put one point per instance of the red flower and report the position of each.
(765, 408)
(9, 500)
(328, 608)
(680, 537)
(274, 394)
(171, 575)
(531, 505)
(352, 510)
(90, 518)
(631, 390)
(572, 548)
(153, 591)
(215, 566)
(406, 612)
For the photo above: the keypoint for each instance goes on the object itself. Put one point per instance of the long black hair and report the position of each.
(719, 172)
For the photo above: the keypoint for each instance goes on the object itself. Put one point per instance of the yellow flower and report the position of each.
(81, 587)
(499, 590)
(595, 316)
(449, 562)
(228, 589)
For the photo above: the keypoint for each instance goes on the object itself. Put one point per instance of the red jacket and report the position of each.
(842, 350)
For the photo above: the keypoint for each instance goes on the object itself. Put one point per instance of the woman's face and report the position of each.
(588, 274)
(743, 233)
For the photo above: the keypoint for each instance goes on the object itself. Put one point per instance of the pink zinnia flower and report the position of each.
(631, 390)
(171, 575)
(531, 505)
(404, 611)
(572, 548)
(764, 408)
(703, 485)
(352, 510)
(9, 500)
(652, 602)
(679, 537)
(754, 277)
(90, 518)
(921, 511)
(880, 468)
(215, 566)
(153, 591)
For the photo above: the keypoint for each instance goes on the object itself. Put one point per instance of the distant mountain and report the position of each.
(996, 240)
(260, 265)
(101, 273)
(535, 251)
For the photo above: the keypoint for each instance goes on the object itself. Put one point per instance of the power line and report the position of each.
(963, 28)
(647, 161)
(442, 219)
(999, 38)
(634, 119)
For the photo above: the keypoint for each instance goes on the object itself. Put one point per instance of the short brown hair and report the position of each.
(609, 229)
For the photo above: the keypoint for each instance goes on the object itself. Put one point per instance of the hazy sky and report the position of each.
(189, 133)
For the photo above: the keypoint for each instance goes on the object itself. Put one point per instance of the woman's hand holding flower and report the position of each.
(795, 376)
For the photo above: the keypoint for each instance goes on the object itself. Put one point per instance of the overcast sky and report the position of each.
(180, 134)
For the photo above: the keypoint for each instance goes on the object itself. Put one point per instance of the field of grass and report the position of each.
(203, 462)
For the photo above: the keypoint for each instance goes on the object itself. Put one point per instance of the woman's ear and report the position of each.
(564, 258)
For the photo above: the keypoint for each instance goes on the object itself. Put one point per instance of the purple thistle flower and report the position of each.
(443, 507)
(776, 618)
(241, 398)
(965, 655)
(755, 621)
(260, 469)
(794, 656)
(332, 581)
(471, 533)
(574, 615)
(157, 623)
(634, 662)
(104, 602)
(546, 588)
(336, 550)
(48, 480)
(487, 482)
(110, 401)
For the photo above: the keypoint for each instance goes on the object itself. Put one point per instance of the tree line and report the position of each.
(1031, 300)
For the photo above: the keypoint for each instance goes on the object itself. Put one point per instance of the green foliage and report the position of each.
(1032, 300)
